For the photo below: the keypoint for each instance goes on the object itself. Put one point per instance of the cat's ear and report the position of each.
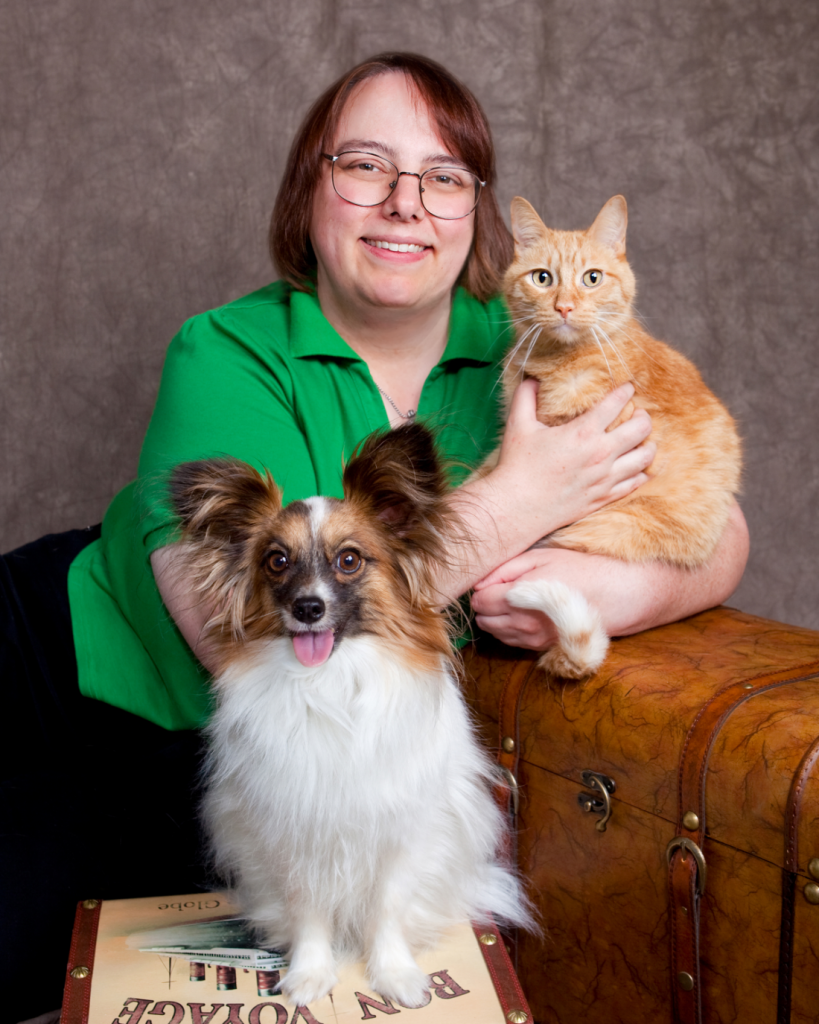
(527, 227)
(609, 226)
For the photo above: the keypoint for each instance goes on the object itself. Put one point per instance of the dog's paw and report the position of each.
(406, 985)
(308, 983)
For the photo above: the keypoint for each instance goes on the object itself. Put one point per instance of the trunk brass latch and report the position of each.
(598, 802)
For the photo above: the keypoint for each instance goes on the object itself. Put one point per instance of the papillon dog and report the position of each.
(347, 797)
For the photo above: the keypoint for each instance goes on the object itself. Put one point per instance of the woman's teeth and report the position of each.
(395, 247)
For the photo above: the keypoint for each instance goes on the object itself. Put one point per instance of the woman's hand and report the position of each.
(545, 478)
(561, 474)
(630, 596)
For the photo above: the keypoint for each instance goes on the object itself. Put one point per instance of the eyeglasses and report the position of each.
(365, 179)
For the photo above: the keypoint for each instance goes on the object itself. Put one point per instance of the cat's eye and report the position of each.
(349, 561)
(542, 278)
(277, 562)
(592, 278)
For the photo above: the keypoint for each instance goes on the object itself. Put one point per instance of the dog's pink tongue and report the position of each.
(313, 648)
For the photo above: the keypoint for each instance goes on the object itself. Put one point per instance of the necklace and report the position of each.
(408, 415)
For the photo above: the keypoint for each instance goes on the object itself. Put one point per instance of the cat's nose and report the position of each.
(564, 308)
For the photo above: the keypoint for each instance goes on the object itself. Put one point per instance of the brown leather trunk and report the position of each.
(708, 729)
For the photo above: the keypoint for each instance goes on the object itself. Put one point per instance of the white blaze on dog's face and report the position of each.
(321, 570)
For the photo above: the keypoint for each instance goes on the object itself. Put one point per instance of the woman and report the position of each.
(367, 327)
(394, 311)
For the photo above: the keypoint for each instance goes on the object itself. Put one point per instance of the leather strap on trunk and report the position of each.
(686, 861)
(509, 735)
(507, 794)
(790, 871)
(77, 992)
(507, 987)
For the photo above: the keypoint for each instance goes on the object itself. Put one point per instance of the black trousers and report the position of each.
(94, 801)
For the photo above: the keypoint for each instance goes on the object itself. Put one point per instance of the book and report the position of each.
(191, 960)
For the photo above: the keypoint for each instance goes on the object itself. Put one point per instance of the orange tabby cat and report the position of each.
(571, 294)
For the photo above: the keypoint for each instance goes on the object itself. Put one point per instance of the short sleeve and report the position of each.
(226, 390)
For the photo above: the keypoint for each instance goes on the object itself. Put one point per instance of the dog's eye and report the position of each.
(349, 561)
(277, 562)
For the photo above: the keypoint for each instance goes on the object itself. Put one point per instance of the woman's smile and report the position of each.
(397, 250)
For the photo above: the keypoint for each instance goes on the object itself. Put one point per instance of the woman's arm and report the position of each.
(503, 513)
(187, 610)
(630, 596)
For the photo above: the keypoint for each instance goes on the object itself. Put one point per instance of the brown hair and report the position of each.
(463, 127)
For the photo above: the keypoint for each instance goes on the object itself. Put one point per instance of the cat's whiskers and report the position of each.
(532, 344)
(519, 344)
(620, 322)
(638, 320)
(603, 352)
(629, 337)
(615, 349)
(519, 319)
(647, 353)
(614, 317)
(524, 318)
(507, 362)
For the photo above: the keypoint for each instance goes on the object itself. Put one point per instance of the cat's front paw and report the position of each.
(406, 984)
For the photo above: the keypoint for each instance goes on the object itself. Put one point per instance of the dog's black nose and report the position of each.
(308, 609)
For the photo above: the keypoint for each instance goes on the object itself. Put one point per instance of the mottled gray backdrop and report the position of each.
(142, 145)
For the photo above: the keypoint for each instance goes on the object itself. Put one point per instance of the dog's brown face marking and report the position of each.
(313, 568)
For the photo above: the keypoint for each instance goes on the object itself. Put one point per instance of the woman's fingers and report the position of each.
(520, 628)
(523, 410)
(624, 436)
(630, 452)
(634, 461)
(491, 601)
(631, 432)
(517, 627)
(606, 411)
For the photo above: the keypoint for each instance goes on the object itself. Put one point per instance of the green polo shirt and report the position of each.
(265, 379)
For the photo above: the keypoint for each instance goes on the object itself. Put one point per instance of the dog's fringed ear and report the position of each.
(222, 499)
(397, 474)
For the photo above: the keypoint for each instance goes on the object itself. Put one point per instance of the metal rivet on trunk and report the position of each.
(691, 821)
(488, 939)
(811, 892)
(517, 1016)
(685, 981)
(80, 972)
(508, 744)
(90, 904)
(813, 867)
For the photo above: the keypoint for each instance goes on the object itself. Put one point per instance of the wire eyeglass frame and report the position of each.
(398, 174)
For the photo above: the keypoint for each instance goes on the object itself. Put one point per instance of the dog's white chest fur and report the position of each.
(350, 804)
